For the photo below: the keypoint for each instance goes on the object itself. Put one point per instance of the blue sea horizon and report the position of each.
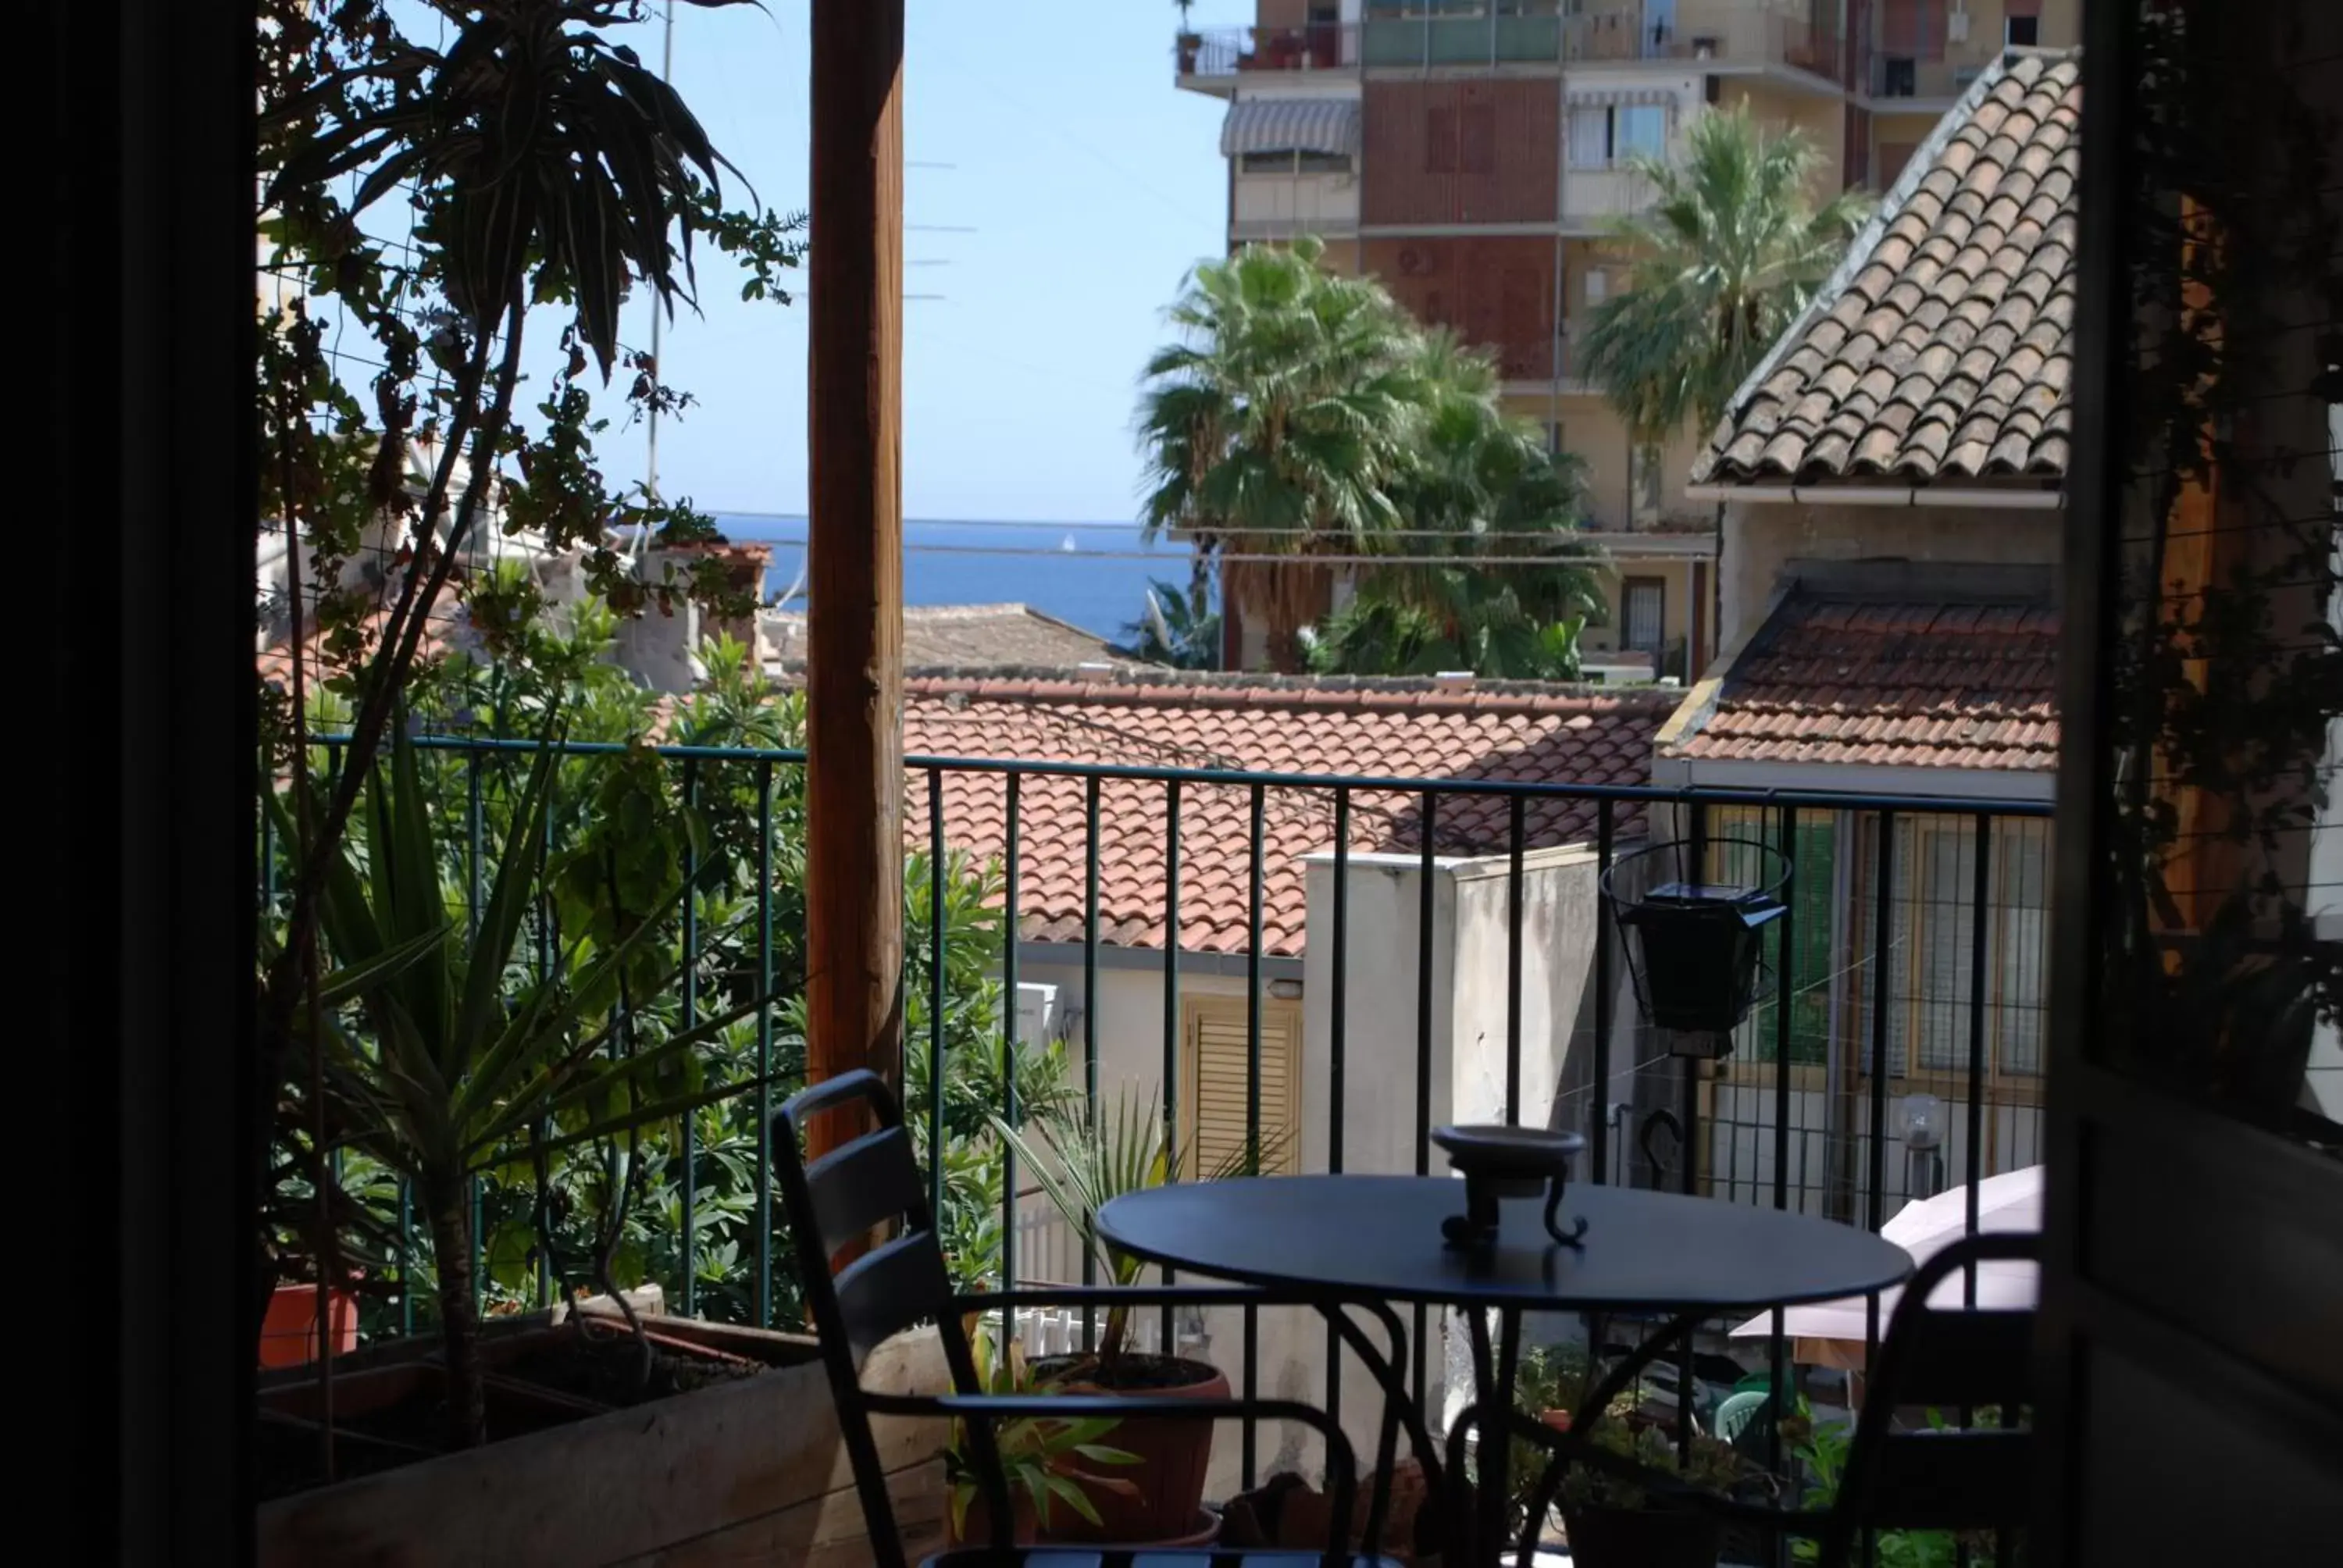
(1092, 575)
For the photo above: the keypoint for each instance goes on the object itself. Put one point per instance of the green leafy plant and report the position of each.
(465, 1061)
(1082, 1164)
(1552, 1383)
(1045, 1460)
(1727, 254)
(1821, 1451)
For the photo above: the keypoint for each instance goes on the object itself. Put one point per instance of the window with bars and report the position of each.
(1933, 935)
(1643, 614)
(1215, 1070)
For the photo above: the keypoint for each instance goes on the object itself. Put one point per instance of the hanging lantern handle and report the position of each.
(1652, 1123)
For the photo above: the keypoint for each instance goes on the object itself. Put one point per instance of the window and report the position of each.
(2023, 32)
(1639, 128)
(1291, 163)
(1643, 614)
(1440, 140)
(1931, 973)
(1590, 138)
(1215, 1067)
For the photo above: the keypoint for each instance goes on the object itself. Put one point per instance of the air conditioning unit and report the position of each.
(1957, 28)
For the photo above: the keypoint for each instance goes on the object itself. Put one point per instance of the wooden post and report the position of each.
(854, 632)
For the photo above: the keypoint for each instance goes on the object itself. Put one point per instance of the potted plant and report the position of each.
(1189, 42)
(1612, 1523)
(1081, 1165)
(1044, 1460)
(454, 1074)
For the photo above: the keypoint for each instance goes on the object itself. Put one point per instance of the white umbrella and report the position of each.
(2010, 1202)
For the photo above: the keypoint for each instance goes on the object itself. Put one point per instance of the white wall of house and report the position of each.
(1760, 540)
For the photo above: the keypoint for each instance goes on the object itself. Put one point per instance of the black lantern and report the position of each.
(1694, 946)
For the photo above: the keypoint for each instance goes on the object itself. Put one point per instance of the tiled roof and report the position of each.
(963, 636)
(1391, 728)
(1934, 685)
(1942, 349)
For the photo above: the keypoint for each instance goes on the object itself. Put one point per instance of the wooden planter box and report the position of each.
(746, 1472)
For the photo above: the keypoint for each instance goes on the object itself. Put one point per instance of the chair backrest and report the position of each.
(1953, 1359)
(1738, 1414)
(837, 1202)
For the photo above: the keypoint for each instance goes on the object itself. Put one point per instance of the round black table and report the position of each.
(1338, 1238)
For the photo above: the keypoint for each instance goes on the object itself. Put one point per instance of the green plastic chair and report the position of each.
(1739, 1416)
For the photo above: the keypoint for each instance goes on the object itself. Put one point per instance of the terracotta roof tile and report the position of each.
(1929, 685)
(1395, 729)
(962, 636)
(1944, 353)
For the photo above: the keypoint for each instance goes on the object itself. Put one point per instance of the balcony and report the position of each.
(1212, 62)
(1437, 944)
(1928, 78)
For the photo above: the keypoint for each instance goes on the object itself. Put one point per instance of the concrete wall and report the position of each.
(1760, 539)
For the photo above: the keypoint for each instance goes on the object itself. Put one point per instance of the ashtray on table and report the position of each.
(1500, 1161)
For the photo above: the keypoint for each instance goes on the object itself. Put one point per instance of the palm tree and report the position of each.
(1276, 427)
(1479, 485)
(1724, 258)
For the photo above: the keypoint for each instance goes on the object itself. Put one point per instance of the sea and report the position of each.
(1094, 576)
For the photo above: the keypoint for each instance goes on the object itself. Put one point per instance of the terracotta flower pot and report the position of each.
(1168, 1482)
(289, 1333)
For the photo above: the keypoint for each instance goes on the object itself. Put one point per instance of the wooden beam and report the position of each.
(854, 620)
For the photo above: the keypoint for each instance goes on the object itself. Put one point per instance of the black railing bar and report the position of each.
(1849, 801)
(1089, 1027)
(1599, 1127)
(1689, 1109)
(764, 1297)
(1337, 1043)
(1010, 1046)
(1170, 1009)
(1427, 834)
(1515, 835)
(1257, 849)
(937, 1065)
(1777, 1341)
(1883, 932)
(1981, 890)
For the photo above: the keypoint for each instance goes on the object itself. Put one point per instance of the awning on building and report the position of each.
(1291, 126)
(1595, 98)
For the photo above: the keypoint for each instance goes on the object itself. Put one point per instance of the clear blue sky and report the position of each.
(1092, 185)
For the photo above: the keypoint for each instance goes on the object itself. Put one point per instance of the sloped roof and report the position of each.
(963, 636)
(1894, 683)
(1942, 351)
(1391, 728)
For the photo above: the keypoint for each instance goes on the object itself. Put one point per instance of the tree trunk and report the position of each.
(449, 1207)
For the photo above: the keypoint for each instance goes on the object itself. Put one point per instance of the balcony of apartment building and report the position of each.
(1917, 58)
(1781, 36)
(1217, 61)
(1296, 167)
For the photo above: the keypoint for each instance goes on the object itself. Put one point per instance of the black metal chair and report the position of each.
(1951, 1477)
(873, 1182)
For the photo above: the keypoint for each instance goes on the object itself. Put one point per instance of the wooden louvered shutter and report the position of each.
(1214, 1086)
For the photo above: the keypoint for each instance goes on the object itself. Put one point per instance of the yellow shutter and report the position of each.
(1213, 1087)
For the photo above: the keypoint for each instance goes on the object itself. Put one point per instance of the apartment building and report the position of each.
(1472, 155)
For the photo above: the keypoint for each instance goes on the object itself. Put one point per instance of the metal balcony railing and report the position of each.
(1934, 76)
(1226, 52)
(1911, 977)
